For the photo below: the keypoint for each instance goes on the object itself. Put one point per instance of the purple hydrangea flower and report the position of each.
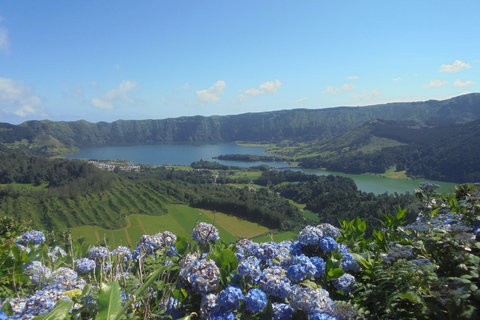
(256, 300)
(205, 232)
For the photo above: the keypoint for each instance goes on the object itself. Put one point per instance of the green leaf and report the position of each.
(61, 311)
(109, 301)
(7, 308)
(336, 273)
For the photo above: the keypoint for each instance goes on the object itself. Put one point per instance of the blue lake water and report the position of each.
(184, 153)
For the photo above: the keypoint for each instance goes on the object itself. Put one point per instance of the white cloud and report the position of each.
(18, 99)
(455, 67)
(352, 77)
(108, 100)
(213, 93)
(397, 79)
(268, 87)
(435, 84)
(367, 95)
(302, 100)
(461, 83)
(348, 86)
(345, 87)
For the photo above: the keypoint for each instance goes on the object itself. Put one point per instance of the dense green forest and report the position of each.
(335, 197)
(57, 194)
(445, 153)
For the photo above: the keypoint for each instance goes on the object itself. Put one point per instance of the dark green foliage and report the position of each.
(335, 197)
(445, 153)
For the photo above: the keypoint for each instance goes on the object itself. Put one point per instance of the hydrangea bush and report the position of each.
(428, 269)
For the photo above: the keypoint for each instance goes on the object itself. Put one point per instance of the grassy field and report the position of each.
(278, 237)
(180, 220)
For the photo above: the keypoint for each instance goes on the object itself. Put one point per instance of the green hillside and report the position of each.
(295, 125)
(446, 153)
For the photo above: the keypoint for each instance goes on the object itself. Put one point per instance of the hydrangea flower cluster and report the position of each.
(205, 232)
(198, 275)
(36, 237)
(148, 244)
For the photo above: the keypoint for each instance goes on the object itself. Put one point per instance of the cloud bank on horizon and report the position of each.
(107, 61)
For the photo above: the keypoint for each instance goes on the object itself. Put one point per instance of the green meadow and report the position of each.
(180, 220)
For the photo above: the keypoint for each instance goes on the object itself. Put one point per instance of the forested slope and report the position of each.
(445, 153)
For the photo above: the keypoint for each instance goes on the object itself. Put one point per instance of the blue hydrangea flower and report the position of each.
(55, 253)
(124, 252)
(275, 283)
(99, 254)
(208, 304)
(297, 272)
(328, 244)
(329, 230)
(347, 263)
(169, 238)
(428, 186)
(205, 232)
(344, 283)
(296, 248)
(149, 244)
(298, 267)
(321, 316)
(85, 265)
(319, 264)
(172, 309)
(282, 311)
(37, 272)
(198, 275)
(267, 250)
(310, 235)
(36, 237)
(256, 300)
(222, 315)
(230, 297)
(311, 300)
(250, 268)
(172, 251)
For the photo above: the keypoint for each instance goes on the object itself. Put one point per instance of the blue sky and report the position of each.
(110, 60)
